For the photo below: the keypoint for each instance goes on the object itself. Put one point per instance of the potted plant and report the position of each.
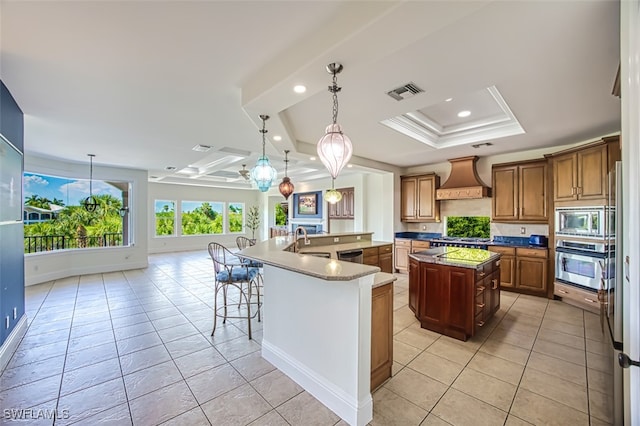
(253, 221)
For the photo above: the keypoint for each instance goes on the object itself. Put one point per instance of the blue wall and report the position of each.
(11, 234)
(319, 203)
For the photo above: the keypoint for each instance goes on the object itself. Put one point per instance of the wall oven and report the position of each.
(585, 222)
(585, 264)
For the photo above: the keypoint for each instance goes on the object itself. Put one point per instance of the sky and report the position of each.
(70, 191)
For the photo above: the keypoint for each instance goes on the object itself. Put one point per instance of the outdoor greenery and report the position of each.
(202, 220)
(235, 217)
(165, 219)
(468, 226)
(75, 223)
(253, 220)
(281, 215)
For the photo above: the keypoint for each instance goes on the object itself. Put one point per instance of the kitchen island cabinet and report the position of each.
(454, 291)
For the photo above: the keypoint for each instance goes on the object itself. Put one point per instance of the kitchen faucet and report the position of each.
(304, 233)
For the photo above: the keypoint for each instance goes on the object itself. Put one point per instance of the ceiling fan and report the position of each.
(244, 172)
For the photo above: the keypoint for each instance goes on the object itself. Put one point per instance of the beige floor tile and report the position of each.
(563, 327)
(392, 409)
(417, 337)
(192, 417)
(519, 325)
(601, 405)
(597, 422)
(561, 338)
(404, 353)
(458, 408)
(603, 363)
(416, 388)
(197, 362)
(150, 379)
(596, 332)
(31, 394)
(574, 318)
(276, 387)
(486, 388)
(236, 408)
(451, 351)
(433, 420)
(236, 348)
(91, 401)
(396, 368)
(566, 353)
(90, 356)
(187, 345)
(305, 410)
(539, 410)
(32, 372)
(252, 366)
(499, 368)
(556, 367)
(515, 421)
(91, 375)
(435, 367)
(162, 404)
(139, 360)
(513, 338)
(116, 416)
(137, 343)
(552, 387)
(505, 351)
(601, 348)
(272, 418)
(599, 380)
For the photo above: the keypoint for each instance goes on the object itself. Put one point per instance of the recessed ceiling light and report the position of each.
(463, 114)
(312, 158)
(299, 88)
(349, 165)
(448, 99)
(277, 138)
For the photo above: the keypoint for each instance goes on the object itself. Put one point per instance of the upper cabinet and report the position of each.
(418, 198)
(520, 192)
(583, 174)
(344, 208)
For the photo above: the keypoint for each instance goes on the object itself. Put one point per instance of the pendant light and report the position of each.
(332, 196)
(90, 203)
(286, 187)
(334, 149)
(263, 173)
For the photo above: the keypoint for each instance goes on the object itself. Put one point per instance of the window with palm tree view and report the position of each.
(55, 218)
(201, 217)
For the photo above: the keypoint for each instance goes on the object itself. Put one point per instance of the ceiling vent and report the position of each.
(403, 92)
(201, 148)
(224, 174)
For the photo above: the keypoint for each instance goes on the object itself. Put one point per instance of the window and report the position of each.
(200, 218)
(56, 220)
(236, 217)
(165, 217)
(281, 214)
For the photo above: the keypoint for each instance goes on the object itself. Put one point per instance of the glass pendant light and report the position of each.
(263, 173)
(334, 149)
(90, 203)
(286, 187)
(332, 196)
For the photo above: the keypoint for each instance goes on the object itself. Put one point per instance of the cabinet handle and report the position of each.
(590, 300)
(480, 305)
(563, 291)
(480, 323)
(495, 284)
(480, 289)
(579, 190)
(482, 274)
(497, 262)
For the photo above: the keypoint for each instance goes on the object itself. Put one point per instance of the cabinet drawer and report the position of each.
(420, 245)
(371, 251)
(385, 249)
(576, 296)
(402, 243)
(371, 260)
(509, 251)
(528, 252)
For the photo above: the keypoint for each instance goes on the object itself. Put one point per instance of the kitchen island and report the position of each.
(454, 291)
(317, 315)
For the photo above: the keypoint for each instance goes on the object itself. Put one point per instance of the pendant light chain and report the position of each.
(263, 131)
(91, 175)
(335, 89)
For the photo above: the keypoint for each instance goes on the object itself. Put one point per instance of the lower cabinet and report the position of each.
(381, 334)
(381, 256)
(402, 250)
(578, 297)
(523, 269)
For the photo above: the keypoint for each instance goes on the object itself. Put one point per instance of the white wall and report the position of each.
(179, 193)
(42, 267)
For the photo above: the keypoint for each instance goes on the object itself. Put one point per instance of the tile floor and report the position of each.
(134, 347)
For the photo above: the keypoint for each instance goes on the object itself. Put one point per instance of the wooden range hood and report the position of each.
(463, 182)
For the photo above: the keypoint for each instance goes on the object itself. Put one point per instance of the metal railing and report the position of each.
(39, 243)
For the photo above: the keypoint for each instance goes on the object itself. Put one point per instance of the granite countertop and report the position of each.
(274, 252)
(456, 256)
(498, 240)
(334, 249)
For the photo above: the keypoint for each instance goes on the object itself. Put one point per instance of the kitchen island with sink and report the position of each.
(454, 291)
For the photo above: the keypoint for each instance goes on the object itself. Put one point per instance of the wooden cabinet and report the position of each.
(381, 256)
(418, 245)
(343, 209)
(381, 334)
(578, 297)
(451, 300)
(523, 270)
(418, 198)
(402, 250)
(582, 174)
(520, 192)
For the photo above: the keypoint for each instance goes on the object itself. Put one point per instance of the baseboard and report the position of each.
(11, 343)
(356, 413)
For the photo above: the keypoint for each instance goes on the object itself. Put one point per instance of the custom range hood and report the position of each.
(463, 182)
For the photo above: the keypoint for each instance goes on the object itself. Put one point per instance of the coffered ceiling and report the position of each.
(140, 83)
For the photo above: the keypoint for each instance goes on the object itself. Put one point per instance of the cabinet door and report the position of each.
(402, 257)
(426, 198)
(533, 192)
(592, 173)
(507, 272)
(408, 191)
(333, 210)
(505, 193)
(458, 288)
(386, 262)
(349, 205)
(414, 284)
(564, 178)
(495, 291)
(532, 274)
(381, 334)
(433, 295)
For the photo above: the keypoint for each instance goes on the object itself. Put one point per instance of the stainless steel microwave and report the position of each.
(586, 222)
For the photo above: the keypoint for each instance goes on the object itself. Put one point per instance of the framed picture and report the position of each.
(308, 204)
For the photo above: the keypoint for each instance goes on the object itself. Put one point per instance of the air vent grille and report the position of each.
(201, 148)
(224, 174)
(403, 92)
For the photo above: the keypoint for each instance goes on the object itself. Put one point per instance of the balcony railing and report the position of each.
(38, 243)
